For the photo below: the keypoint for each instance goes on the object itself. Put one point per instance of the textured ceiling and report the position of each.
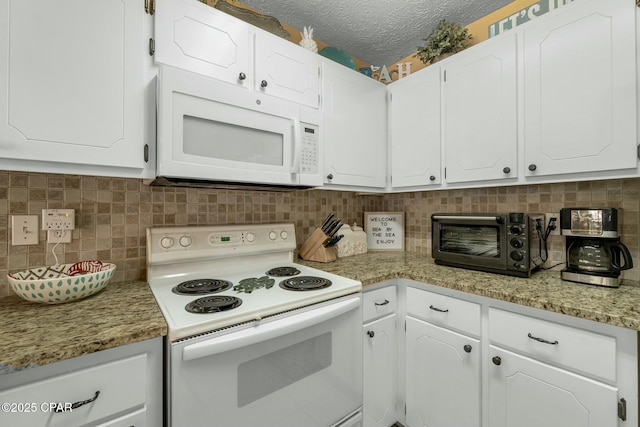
(379, 32)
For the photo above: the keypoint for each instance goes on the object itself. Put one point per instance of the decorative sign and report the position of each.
(525, 15)
(385, 231)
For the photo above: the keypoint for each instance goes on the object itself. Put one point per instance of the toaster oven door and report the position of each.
(472, 241)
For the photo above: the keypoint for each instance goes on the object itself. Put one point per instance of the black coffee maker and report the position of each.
(595, 255)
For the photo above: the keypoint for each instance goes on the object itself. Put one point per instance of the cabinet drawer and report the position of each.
(122, 386)
(572, 348)
(443, 310)
(379, 303)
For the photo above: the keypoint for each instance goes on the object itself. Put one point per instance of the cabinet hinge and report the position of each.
(622, 409)
(146, 153)
(445, 75)
(152, 47)
(445, 173)
(150, 6)
(638, 151)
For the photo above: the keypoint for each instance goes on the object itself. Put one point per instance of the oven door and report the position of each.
(474, 241)
(302, 368)
(210, 130)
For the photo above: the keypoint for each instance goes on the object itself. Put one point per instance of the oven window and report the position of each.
(225, 141)
(269, 373)
(481, 241)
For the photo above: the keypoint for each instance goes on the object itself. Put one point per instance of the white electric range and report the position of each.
(241, 313)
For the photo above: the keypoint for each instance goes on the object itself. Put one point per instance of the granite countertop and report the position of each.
(38, 334)
(126, 312)
(544, 289)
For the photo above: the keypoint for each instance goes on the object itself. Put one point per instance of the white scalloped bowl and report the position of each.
(61, 283)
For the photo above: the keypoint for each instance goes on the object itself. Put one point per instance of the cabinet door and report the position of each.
(580, 89)
(196, 37)
(380, 376)
(286, 70)
(355, 128)
(527, 393)
(414, 117)
(443, 377)
(71, 82)
(480, 112)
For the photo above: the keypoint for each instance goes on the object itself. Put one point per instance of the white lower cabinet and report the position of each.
(471, 361)
(526, 393)
(443, 376)
(380, 362)
(120, 387)
(380, 354)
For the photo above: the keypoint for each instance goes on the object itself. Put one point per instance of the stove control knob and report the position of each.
(272, 235)
(166, 242)
(186, 241)
(516, 243)
(251, 237)
(516, 230)
(284, 235)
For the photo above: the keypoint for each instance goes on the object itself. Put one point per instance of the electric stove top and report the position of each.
(208, 278)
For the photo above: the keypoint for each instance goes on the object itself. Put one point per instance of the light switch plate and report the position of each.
(24, 230)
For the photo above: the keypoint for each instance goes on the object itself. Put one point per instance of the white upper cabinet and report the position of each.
(414, 134)
(198, 38)
(580, 89)
(355, 128)
(286, 70)
(480, 119)
(72, 81)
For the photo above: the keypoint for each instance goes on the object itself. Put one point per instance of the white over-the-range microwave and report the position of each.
(211, 133)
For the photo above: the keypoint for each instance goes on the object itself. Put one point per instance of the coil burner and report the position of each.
(202, 287)
(305, 283)
(213, 304)
(283, 272)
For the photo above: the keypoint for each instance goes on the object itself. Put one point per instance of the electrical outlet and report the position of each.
(58, 223)
(548, 217)
(24, 230)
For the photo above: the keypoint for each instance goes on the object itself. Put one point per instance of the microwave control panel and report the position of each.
(310, 149)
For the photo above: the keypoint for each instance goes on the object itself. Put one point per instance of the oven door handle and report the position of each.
(467, 217)
(269, 330)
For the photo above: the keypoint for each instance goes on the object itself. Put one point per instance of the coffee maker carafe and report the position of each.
(595, 254)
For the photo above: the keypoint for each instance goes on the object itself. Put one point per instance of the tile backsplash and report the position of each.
(112, 214)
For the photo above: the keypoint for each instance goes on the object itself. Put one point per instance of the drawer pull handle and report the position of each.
(385, 302)
(542, 340)
(79, 404)
(438, 309)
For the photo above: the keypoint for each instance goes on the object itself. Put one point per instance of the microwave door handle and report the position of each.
(295, 166)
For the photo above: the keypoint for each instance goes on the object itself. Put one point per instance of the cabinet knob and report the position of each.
(432, 178)
(263, 83)
(467, 348)
(532, 167)
(506, 170)
(242, 76)
(371, 334)
(330, 176)
(496, 360)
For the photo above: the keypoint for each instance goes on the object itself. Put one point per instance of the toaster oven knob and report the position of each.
(166, 242)
(516, 230)
(516, 243)
(516, 256)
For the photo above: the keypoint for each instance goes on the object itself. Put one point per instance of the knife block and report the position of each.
(312, 249)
